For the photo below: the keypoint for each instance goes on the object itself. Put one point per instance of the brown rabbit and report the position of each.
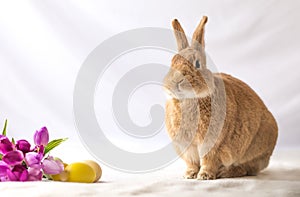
(219, 126)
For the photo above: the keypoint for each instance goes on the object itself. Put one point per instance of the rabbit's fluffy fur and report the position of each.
(219, 126)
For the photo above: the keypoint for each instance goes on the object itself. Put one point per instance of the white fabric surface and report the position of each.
(282, 178)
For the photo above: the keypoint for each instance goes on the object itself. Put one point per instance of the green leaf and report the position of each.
(1, 156)
(4, 129)
(13, 141)
(53, 144)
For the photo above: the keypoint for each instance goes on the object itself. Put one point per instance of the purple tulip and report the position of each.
(13, 157)
(3, 168)
(33, 158)
(35, 174)
(4, 179)
(21, 162)
(41, 137)
(37, 166)
(18, 173)
(52, 166)
(23, 145)
(5, 145)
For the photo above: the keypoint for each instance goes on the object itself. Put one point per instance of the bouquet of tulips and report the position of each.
(20, 161)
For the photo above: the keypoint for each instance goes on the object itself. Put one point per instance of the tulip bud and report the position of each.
(18, 173)
(5, 145)
(3, 168)
(41, 137)
(13, 157)
(23, 145)
(35, 173)
(33, 158)
(52, 166)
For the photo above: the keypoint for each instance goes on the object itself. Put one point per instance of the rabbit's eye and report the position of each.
(197, 64)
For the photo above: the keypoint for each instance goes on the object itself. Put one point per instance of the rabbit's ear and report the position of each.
(198, 36)
(181, 39)
(198, 41)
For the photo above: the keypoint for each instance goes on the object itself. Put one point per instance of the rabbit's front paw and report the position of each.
(205, 175)
(190, 174)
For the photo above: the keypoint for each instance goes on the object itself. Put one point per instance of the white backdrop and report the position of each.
(44, 43)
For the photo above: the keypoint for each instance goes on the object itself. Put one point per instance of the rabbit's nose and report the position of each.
(180, 81)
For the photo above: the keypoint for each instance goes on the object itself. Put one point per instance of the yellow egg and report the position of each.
(96, 168)
(80, 172)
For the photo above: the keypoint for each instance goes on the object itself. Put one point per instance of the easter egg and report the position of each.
(96, 168)
(80, 172)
